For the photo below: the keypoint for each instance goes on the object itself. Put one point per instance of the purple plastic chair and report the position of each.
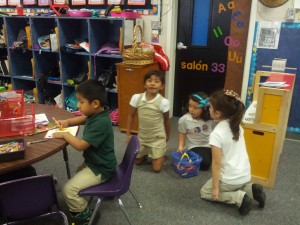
(29, 198)
(119, 184)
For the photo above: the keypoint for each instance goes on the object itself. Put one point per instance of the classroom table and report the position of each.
(39, 151)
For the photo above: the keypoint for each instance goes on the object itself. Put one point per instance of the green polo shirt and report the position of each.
(100, 156)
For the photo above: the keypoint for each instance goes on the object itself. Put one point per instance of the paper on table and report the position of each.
(72, 130)
(41, 119)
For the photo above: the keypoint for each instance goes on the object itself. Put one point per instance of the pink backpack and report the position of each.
(114, 116)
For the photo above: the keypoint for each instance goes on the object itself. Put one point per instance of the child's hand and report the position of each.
(215, 194)
(167, 138)
(180, 150)
(62, 123)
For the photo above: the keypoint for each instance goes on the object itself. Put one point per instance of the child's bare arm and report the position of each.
(167, 125)
(130, 122)
(75, 142)
(181, 141)
(216, 171)
(79, 120)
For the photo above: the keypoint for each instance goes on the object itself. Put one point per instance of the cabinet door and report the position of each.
(260, 147)
(130, 80)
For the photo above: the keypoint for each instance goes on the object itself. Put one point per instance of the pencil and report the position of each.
(57, 123)
(38, 141)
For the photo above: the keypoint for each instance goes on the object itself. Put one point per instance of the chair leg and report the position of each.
(64, 218)
(99, 200)
(66, 158)
(90, 200)
(125, 212)
(135, 198)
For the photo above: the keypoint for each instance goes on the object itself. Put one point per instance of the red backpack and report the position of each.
(161, 57)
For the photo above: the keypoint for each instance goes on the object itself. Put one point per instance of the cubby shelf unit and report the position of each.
(29, 63)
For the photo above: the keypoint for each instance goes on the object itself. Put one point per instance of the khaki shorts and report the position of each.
(154, 153)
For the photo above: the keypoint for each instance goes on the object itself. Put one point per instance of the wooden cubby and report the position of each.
(265, 137)
(27, 64)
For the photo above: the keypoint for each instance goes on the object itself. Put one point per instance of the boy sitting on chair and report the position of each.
(97, 145)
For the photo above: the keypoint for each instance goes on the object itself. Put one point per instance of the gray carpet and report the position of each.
(170, 199)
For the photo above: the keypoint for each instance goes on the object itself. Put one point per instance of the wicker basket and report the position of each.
(138, 55)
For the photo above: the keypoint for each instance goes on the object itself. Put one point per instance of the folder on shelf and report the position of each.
(287, 79)
(29, 43)
(4, 34)
(53, 41)
(4, 68)
(32, 65)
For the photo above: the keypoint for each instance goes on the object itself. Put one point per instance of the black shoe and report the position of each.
(259, 195)
(246, 205)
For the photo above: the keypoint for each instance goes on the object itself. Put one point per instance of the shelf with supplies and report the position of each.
(38, 48)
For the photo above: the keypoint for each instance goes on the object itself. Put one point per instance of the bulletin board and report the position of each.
(288, 48)
(31, 7)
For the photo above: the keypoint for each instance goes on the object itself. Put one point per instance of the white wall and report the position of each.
(167, 39)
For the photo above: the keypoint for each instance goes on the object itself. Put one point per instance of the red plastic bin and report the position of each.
(11, 104)
(19, 126)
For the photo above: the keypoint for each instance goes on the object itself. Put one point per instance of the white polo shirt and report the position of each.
(235, 168)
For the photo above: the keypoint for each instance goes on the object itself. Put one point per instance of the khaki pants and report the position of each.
(230, 194)
(154, 153)
(84, 178)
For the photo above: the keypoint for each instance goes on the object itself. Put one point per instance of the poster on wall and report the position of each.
(268, 35)
(96, 2)
(3, 3)
(136, 2)
(13, 2)
(44, 2)
(115, 2)
(59, 2)
(78, 2)
(29, 2)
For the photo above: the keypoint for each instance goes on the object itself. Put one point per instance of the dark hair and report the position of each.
(157, 73)
(92, 90)
(231, 108)
(205, 115)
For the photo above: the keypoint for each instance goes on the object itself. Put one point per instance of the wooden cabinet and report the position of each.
(130, 80)
(265, 136)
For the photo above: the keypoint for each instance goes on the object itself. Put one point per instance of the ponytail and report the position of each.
(235, 120)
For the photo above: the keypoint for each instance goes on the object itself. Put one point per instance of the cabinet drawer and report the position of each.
(260, 147)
